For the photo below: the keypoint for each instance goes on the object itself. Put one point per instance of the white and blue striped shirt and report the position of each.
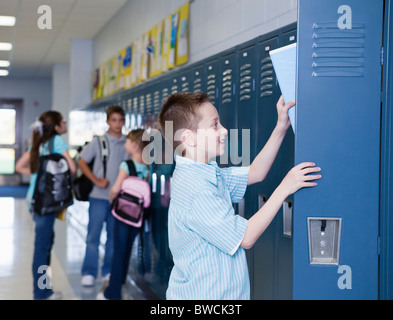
(205, 233)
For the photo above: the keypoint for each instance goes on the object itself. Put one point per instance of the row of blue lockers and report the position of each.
(242, 85)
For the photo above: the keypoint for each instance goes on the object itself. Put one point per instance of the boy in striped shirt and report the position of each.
(207, 240)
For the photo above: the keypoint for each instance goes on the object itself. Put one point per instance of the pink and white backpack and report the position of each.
(133, 198)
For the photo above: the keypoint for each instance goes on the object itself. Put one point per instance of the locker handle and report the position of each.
(162, 178)
(287, 218)
(154, 183)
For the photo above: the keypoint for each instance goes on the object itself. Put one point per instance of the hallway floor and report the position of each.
(16, 253)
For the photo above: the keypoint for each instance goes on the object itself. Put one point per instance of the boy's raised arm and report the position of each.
(261, 165)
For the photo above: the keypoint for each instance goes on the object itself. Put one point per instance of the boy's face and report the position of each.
(211, 135)
(115, 123)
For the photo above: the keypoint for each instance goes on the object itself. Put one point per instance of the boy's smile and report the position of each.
(211, 135)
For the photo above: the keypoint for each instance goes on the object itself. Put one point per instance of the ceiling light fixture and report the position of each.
(5, 46)
(3, 73)
(7, 21)
(4, 63)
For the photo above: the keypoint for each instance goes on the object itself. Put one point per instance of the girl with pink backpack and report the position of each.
(129, 195)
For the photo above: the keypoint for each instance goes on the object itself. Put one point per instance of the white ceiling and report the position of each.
(34, 50)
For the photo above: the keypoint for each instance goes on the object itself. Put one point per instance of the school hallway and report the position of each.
(17, 238)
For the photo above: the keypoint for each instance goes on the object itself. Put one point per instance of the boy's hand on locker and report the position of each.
(282, 113)
(299, 177)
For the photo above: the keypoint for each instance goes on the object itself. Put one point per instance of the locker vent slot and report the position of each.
(245, 87)
(165, 94)
(142, 104)
(227, 86)
(197, 85)
(211, 86)
(267, 76)
(338, 53)
(156, 102)
(149, 104)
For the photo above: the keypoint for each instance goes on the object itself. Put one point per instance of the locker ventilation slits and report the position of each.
(245, 87)
(336, 52)
(149, 104)
(185, 85)
(211, 84)
(227, 86)
(267, 75)
(197, 84)
(156, 102)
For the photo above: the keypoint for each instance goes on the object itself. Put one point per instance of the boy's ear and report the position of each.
(188, 138)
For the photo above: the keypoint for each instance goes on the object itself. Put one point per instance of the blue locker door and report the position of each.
(197, 83)
(212, 80)
(266, 115)
(338, 127)
(284, 241)
(227, 108)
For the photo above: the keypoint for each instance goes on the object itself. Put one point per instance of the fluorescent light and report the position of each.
(5, 46)
(4, 63)
(3, 73)
(8, 21)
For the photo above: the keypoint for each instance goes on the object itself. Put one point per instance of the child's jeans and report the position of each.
(99, 212)
(123, 239)
(43, 242)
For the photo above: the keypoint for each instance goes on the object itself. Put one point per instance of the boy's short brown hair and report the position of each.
(114, 109)
(180, 108)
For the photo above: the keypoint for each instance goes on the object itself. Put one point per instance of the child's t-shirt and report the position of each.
(117, 153)
(205, 234)
(141, 169)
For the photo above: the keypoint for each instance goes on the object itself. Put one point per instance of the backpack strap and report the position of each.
(131, 168)
(104, 149)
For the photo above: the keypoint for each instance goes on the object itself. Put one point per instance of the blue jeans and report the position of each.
(43, 242)
(99, 212)
(123, 239)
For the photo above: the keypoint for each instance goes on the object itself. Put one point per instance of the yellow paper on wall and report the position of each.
(171, 62)
(136, 61)
(159, 47)
(127, 67)
(120, 68)
(144, 74)
(166, 42)
(182, 35)
(152, 52)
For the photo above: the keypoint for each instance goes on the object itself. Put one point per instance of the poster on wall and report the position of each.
(120, 72)
(166, 43)
(145, 57)
(136, 61)
(182, 35)
(173, 40)
(152, 51)
(127, 67)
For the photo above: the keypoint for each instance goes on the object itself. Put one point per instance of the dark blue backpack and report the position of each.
(52, 191)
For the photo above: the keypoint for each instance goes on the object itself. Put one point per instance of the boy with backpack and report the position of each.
(103, 176)
(124, 231)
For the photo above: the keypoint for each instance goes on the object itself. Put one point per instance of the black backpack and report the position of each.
(53, 189)
(82, 185)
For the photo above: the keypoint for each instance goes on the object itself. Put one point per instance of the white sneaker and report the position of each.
(56, 295)
(88, 280)
(101, 296)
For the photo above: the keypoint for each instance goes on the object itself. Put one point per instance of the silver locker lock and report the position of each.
(324, 240)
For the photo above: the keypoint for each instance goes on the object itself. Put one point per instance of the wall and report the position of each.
(215, 25)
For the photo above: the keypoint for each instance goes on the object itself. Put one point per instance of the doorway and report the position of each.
(10, 139)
